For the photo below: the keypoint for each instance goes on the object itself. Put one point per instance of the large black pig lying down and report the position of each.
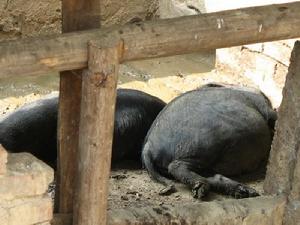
(33, 127)
(207, 134)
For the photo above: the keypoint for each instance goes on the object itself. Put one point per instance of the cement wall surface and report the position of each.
(23, 18)
(265, 64)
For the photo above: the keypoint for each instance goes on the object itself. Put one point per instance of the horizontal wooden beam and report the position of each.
(254, 211)
(154, 38)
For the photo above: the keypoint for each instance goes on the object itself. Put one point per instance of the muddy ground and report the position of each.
(165, 78)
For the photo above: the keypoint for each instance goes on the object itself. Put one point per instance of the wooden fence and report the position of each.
(90, 62)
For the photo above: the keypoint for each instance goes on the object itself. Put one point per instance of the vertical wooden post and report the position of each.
(95, 133)
(77, 15)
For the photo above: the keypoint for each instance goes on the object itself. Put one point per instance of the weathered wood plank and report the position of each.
(155, 38)
(96, 133)
(68, 127)
(253, 211)
(77, 15)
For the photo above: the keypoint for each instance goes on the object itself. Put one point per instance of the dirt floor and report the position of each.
(165, 78)
(134, 188)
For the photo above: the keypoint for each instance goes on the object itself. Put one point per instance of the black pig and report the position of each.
(209, 133)
(33, 127)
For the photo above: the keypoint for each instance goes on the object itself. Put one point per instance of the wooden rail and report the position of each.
(118, 44)
(154, 39)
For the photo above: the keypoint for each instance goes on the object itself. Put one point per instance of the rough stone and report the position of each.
(26, 211)
(26, 176)
(3, 160)
(177, 8)
(265, 72)
(259, 47)
(283, 174)
(283, 156)
(263, 63)
(23, 18)
(280, 51)
(255, 211)
(292, 213)
(119, 12)
(44, 223)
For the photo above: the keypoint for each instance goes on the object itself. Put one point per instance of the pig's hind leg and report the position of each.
(227, 186)
(182, 172)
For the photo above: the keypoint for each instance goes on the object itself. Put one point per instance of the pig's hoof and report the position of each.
(200, 190)
(170, 189)
(242, 191)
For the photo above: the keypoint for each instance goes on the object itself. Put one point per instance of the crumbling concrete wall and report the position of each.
(23, 18)
(177, 8)
(265, 64)
(24, 181)
(119, 12)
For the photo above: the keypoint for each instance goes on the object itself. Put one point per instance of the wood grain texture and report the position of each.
(155, 38)
(68, 127)
(77, 15)
(96, 134)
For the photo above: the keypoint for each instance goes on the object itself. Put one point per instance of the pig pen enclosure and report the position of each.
(101, 50)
